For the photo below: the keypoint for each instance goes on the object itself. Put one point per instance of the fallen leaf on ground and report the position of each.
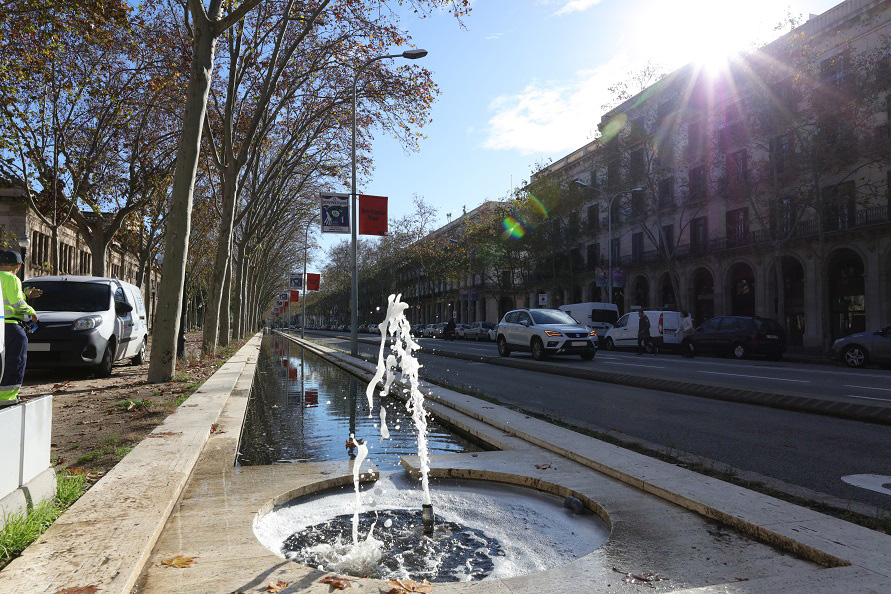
(645, 579)
(276, 586)
(409, 586)
(338, 583)
(79, 590)
(542, 466)
(179, 562)
(215, 428)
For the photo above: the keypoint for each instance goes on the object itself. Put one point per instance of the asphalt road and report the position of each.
(809, 450)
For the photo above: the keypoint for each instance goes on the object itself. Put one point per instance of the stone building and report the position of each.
(717, 178)
(17, 221)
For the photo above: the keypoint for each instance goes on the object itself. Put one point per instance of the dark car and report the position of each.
(863, 348)
(741, 336)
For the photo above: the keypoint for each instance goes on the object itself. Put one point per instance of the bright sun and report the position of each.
(706, 32)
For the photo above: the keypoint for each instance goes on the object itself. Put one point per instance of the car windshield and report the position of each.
(552, 317)
(488, 325)
(767, 325)
(604, 315)
(67, 296)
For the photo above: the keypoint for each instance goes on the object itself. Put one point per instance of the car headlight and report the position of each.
(88, 323)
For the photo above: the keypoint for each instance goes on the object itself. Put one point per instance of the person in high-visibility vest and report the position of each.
(15, 309)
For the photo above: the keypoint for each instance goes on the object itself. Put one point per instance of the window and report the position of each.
(737, 226)
(839, 206)
(524, 316)
(638, 204)
(637, 243)
(666, 192)
(779, 154)
(698, 235)
(638, 130)
(835, 71)
(663, 113)
(710, 326)
(593, 255)
(613, 179)
(696, 183)
(593, 217)
(637, 169)
(695, 141)
(666, 238)
(511, 318)
(783, 216)
(737, 172)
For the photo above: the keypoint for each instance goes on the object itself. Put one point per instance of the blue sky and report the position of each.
(525, 81)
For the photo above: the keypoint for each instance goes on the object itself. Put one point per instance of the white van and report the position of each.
(598, 315)
(663, 325)
(87, 321)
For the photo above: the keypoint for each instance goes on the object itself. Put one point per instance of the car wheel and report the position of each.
(139, 358)
(105, 366)
(855, 356)
(609, 344)
(502, 347)
(538, 352)
(738, 351)
(587, 356)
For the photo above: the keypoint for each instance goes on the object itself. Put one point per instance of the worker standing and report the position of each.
(15, 308)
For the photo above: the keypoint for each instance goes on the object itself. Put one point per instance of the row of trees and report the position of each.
(111, 118)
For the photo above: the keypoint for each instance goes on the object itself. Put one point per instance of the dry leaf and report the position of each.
(79, 590)
(338, 583)
(179, 562)
(645, 579)
(542, 466)
(276, 586)
(409, 586)
(215, 428)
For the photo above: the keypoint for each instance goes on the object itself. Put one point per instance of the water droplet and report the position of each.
(388, 523)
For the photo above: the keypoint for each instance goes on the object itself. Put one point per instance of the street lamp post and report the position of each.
(305, 252)
(24, 244)
(354, 223)
(609, 226)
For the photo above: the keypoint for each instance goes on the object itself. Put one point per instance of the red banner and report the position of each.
(372, 215)
(295, 296)
(313, 281)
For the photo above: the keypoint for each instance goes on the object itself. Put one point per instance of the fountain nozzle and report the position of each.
(427, 517)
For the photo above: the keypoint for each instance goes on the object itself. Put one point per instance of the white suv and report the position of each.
(545, 332)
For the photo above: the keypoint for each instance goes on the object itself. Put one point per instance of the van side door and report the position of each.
(123, 325)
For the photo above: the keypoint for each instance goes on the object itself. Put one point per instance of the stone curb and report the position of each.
(105, 538)
(794, 402)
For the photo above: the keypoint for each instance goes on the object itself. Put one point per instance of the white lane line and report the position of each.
(868, 388)
(778, 379)
(634, 365)
(868, 398)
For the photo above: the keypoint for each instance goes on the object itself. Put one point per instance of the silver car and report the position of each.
(863, 348)
(545, 332)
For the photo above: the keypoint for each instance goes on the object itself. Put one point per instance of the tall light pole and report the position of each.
(305, 252)
(354, 223)
(609, 225)
(24, 244)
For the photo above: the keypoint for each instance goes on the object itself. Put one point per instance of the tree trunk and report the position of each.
(780, 277)
(54, 247)
(221, 263)
(176, 243)
(99, 246)
(226, 306)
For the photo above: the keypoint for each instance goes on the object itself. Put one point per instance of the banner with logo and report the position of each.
(295, 296)
(372, 215)
(296, 281)
(335, 212)
(313, 281)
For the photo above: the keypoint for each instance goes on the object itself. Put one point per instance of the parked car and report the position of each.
(460, 329)
(663, 325)
(417, 329)
(595, 314)
(862, 348)
(740, 336)
(545, 332)
(87, 321)
(428, 330)
(438, 330)
(478, 330)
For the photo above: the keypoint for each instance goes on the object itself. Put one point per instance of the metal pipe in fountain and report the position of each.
(427, 517)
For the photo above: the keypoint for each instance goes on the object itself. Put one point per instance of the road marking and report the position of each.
(868, 398)
(873, 482)
(868, 388)
(778, 379)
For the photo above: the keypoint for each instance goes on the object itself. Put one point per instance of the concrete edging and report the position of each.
(105, 538)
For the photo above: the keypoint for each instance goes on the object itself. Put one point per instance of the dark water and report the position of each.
(453, 549)
(303, 409)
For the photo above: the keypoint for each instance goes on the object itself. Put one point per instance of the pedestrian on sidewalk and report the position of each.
(15, 308)
(685, 329)
(643, 334)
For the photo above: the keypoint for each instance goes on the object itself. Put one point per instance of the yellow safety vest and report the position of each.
(15, 308)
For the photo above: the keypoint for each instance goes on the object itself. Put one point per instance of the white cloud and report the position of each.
(493, 36)
(552, 116)
(576, 6)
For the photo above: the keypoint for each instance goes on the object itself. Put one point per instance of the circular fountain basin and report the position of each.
(483, 531)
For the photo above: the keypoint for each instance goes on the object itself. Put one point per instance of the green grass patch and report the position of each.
(182, 376)
(89, 457)
(20, 530)
(122, 451)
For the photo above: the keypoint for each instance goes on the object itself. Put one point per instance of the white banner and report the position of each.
(335, 212)
(296, 283)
